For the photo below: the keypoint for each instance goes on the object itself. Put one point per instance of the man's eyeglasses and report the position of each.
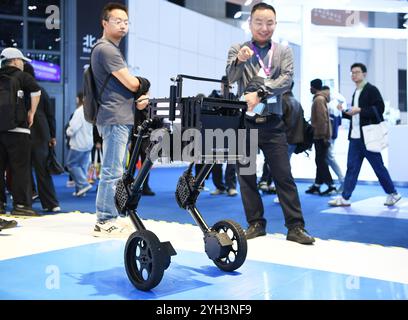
(355, 72)
(118, 22)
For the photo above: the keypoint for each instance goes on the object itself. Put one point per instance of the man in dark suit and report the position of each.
(263, 70)
(367, 108)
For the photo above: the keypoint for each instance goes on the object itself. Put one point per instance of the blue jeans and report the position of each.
(356, 154)
(331, 161)
(77, 164)
(115, 139)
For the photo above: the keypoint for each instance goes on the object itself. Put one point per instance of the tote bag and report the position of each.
(376, 135)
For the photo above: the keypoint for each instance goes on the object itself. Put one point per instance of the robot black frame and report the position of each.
(146, 258)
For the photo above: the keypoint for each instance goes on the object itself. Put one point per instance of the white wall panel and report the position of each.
(144, 18)
(206, 36)
(169, 21)
(166, 40)
(188, 64)
(168, 68)
(188, 31)
(146, 62)
(222, 40)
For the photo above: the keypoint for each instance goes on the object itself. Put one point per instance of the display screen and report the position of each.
(45, 71)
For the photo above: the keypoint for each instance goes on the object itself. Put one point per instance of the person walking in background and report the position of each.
(322, 134)
(43, 138)
(367, 108)
(15, 128)
(250, 65)
(335, 119)
(80, 136)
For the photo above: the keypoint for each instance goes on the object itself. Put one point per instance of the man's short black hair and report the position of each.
(109, 7)
(316, 84)
(359, 65)
(262, 6)
(326, 88)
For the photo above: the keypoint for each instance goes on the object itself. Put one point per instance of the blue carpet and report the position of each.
(373, 230)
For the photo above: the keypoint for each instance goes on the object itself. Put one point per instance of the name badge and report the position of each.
(272, 100)
(262, 73)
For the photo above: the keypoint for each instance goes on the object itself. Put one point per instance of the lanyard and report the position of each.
(267, 70)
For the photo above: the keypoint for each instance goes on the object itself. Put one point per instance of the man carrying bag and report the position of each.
(367, 109)
(19, 98)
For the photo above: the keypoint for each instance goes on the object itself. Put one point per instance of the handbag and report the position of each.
(376, 135)
(53, 166)
(94, 169)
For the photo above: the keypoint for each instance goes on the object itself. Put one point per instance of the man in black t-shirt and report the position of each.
(15, 143)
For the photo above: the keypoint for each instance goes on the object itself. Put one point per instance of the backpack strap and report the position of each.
(105, 83)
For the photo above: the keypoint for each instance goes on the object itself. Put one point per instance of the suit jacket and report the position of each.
(372, 107)
(276, 84)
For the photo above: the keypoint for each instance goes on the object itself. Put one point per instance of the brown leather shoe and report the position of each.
(299, 235)
(256, 229)
(7, 224)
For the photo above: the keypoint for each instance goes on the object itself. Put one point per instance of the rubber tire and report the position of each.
(154, 264)
(241, 242)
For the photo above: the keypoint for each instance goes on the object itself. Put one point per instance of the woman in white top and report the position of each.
(81, 142)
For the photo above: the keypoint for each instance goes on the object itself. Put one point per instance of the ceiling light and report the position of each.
(238, 15)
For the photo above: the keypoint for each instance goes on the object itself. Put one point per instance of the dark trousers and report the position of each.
(266, 175)
(322, 168)
(45, 184)
(272, 141)
(15, 152)
(356, 154)
(230, 177)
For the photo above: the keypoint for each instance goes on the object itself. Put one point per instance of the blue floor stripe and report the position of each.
(365, 229)
(97, 271)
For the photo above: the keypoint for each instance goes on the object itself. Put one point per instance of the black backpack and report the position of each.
(12, 106)
(91, 96)
(307, 143)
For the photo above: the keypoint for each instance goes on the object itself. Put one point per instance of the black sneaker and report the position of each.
(20, 210)
(299, 235)
(6, 224)
(330, 191)
(255, 230)
(148, 192)
(2, 208)
(313, 190)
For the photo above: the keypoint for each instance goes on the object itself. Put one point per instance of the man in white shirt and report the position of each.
(367, 108)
